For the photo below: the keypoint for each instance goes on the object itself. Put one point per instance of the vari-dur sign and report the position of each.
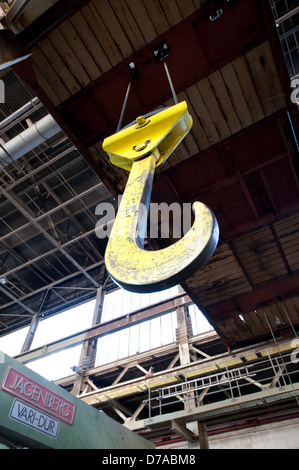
(33, 418)
(26, 389)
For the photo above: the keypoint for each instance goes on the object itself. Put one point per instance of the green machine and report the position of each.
(36, 413)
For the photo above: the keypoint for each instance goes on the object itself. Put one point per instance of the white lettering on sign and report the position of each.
(27, 389)
(35, 419)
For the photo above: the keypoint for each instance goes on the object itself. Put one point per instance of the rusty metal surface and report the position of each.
(139, 270)
(142, 147)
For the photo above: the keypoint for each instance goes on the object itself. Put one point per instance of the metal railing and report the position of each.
(266, 372)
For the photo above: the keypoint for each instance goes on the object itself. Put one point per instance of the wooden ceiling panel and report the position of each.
(261, 203)
(282, 192)
(245, 24)
(98, 38)
(278, 319)
(287, 232)
(232, 75)
(266, 262)
(260, 254)
(220, 279)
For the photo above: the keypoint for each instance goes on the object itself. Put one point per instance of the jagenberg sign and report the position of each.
(25, 388)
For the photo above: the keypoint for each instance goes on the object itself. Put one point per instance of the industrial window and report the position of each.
(57, 365)
(11, 344)
(63, 324)
(121, 302)
(281, 7)
(286, 15)
(136, 339)
(199, 322)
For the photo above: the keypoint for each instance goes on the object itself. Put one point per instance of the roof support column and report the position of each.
(195, 429)
(89, 347)
(30, 335)
(182, 335)
(21, 206)
(200, 440)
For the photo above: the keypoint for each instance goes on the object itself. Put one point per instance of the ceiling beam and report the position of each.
(14, 199)
(108, 327)
(43, 166)
(54, 284)
(182, 431)
(248, 301)
(19, 302)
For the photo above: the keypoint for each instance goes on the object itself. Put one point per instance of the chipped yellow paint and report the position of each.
(141, 148)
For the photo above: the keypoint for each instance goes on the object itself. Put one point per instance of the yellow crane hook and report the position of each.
(140, 148)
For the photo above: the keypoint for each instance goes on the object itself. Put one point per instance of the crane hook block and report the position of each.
(162, 131)
(140, 148)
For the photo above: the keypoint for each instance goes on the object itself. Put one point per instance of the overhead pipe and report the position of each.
(29, 139)
(19, 113)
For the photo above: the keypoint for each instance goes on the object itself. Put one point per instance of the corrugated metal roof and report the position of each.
(54, 182)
